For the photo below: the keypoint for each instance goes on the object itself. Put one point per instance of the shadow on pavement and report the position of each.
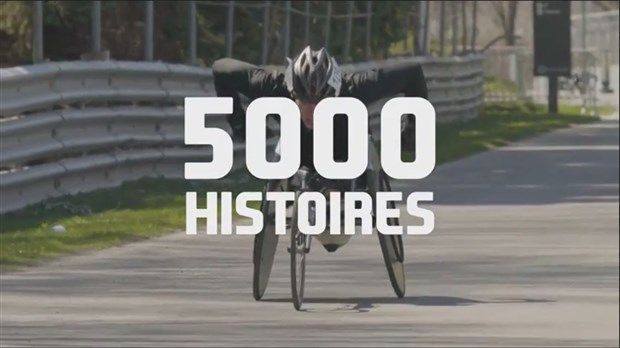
(365, 304)
(574, 166)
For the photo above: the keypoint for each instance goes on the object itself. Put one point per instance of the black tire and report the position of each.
(392, 247)
(397, 240)
(299, 245)
(265, 245)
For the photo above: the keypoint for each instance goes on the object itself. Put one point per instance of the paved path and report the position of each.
(525, 252)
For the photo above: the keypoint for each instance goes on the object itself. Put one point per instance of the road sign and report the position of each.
(552, 45)
(552, 38)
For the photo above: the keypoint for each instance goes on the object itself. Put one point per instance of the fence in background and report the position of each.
(510, 76)
(284, 27)
(510, 70)
(601, 34)
(74, 127)
(288, 13)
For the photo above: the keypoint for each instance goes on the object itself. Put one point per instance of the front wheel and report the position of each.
(298, 249)
(392, 246)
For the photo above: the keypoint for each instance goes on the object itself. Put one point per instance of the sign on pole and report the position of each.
(552, 44)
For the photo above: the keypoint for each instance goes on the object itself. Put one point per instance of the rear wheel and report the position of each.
(265, 243)
(392, 246)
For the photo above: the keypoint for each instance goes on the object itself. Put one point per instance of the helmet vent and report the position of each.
(312, 72)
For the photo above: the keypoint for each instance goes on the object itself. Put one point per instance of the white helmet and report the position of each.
(313, 75)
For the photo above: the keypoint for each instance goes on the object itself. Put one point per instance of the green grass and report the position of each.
(403, 46)
(134, 211)
(399, 48)
(154, 207)
(602, 110)
(499, 124)
(495, 85)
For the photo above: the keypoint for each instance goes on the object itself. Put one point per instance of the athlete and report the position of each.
(311, 76)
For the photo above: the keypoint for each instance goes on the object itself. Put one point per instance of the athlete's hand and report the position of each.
(238, 134)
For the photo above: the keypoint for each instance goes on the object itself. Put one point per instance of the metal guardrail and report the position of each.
(73, 127)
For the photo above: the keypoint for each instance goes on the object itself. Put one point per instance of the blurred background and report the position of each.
(92, 155)
(264, 32)
(92, 91)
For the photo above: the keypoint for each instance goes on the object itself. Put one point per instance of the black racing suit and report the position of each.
(233, 78)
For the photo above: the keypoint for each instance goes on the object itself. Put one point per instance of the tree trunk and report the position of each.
(506, 12)
(510, 29)
(464, 17)
(455, 26)
(442, 28)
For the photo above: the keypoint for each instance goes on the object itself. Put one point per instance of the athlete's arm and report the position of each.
(403, 79)
(233, 78)
(376, 84)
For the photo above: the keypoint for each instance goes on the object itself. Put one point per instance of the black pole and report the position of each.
(553, 94)
(427, 11)
(417, 38)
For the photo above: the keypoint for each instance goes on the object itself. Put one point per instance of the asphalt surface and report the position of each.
(525, 253)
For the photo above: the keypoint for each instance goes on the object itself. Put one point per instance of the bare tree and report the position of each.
(506, 12)
(464, 18)
(442, 27)
(455, 25)
(606, 5)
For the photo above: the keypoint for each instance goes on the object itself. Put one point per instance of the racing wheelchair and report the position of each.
(373, 180)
